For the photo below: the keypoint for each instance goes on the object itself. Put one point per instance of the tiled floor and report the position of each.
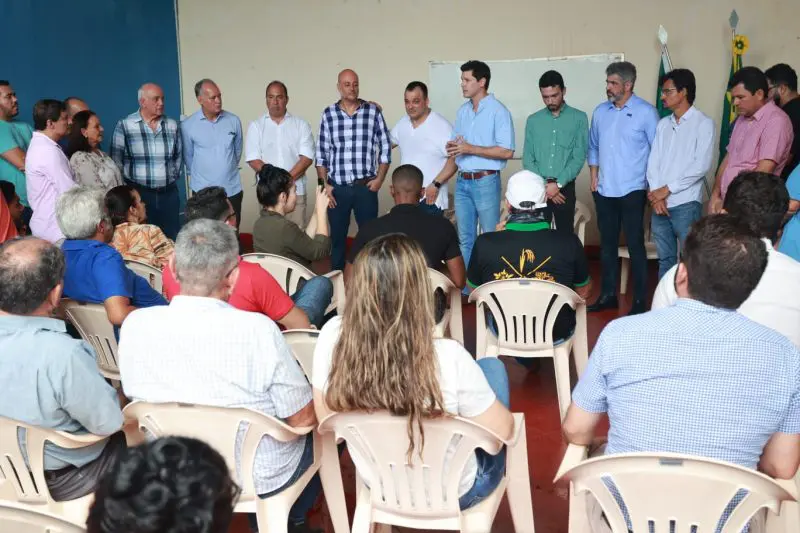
(535, 395)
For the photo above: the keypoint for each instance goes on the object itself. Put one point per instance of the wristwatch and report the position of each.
(437, 184)
(553, 180)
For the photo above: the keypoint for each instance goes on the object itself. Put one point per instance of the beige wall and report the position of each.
(244, 44)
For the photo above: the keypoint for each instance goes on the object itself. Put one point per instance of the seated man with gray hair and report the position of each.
(49, 379)
(96, 272)
(202, 350)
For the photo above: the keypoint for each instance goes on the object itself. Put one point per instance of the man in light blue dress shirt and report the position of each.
(483, 141)
(212, 146)
(622, 132)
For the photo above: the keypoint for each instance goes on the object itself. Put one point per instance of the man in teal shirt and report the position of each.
(555, 148)
(14, 140)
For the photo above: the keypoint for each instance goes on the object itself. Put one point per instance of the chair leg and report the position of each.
(518, 489)
(578, 512)
(623, 275)
(330, 475)
(272, 516)
(561, 363)
(362, 519)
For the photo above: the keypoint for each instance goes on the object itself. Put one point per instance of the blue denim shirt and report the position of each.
(491, 125)
(212, 150)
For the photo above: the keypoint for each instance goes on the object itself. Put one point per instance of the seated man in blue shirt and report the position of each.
(96, 272)
(47, 378)
(697, 377)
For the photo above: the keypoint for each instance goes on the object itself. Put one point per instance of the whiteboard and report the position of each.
(516, 84)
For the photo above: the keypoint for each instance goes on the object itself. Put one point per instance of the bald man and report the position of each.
(73, 105)
(353, 156)
(147, 148)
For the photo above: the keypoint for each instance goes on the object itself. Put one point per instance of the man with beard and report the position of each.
(555, 147)
(15, 136)
(782, 82)
(622, 132)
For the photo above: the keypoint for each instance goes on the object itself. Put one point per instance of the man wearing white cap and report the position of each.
(525, 247)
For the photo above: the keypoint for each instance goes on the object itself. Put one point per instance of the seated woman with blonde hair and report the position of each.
(133, 239)
(381, 355)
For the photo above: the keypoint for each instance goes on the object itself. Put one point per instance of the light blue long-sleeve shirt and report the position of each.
(491, 125)
(619, 143)
(212, 150)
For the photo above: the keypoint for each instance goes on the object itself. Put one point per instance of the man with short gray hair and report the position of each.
(202, 350)
(147, 148)
(212, 145)
(96, 272)
(49, 379)
(620, 137)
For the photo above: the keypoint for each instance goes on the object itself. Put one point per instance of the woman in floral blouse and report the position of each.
(132, 238)
(90, 165)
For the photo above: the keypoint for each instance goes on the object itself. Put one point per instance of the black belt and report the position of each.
(155, 189)
(52, 475)
(360, 181)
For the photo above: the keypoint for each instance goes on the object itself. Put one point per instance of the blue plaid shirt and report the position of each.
(347, 145)
(146, 157)
(693, 379)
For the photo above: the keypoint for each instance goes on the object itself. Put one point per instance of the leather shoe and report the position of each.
(638, 307)
(606, 301)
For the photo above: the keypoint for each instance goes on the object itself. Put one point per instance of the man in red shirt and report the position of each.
(7, 229)
(256, 290)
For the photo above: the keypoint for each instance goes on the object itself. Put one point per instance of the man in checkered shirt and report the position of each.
(148, 150)
(697, 377)
(353, 156)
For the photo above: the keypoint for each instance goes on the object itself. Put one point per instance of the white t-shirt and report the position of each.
(280, 144)
(424, 147)
(774, 303)
(465, 390)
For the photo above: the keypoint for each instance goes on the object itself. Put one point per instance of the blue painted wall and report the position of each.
(99, 50)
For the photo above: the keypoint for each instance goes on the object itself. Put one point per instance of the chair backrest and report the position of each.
(582, 217)
(153, 275)
(302, 342)
(288, 273)
(525, 310)
(440, 281)
(92, 323)
(217, 426)
(24, 480)
(16, 518)
(419, 489)
(660, 489)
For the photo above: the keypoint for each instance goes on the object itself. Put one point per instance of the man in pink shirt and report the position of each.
(47, 171)
(762, 135)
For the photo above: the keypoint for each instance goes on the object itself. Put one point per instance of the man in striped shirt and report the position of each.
(353, 156)
(147, 148)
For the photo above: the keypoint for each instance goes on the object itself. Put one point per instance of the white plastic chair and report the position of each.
(288, 273)
(16, 518)
(452, 320)
(420, 495)
(302, 342)
(153, 275)
(525, 311)
(625, 256)
(24, 483)
(660, 488)
(582, 217)
(92, 323)
(218, 426)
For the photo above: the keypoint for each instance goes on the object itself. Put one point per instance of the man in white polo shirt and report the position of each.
(282, 140)
(422, 135)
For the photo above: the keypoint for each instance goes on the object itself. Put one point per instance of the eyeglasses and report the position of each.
(667, 92)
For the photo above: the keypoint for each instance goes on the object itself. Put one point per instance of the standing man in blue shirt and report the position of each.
(483, 142)
(212, 146)
(622, 132)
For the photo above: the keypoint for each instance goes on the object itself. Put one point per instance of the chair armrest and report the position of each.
(337, 278)
(572, 457)
(63, 439)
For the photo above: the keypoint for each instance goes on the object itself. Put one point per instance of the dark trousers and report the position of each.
(357, 199)
(76, 482)
(628, 212)
(236, 202)
(564, 214)
(163, 207)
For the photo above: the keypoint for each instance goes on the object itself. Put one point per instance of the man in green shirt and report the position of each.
(555, 148)
(14, 140)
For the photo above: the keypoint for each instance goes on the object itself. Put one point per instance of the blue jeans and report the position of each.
(669, 230)
(304, 502)
(163, 207)
(349, 198)
(476, 200)
(313, 297)
(491, 468)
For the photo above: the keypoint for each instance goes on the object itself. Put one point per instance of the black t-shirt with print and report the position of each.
(531, 250)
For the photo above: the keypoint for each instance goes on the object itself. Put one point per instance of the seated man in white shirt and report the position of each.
(201, 350)
(760, 201)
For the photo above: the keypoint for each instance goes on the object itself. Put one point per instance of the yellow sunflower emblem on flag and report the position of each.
(740, 45)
